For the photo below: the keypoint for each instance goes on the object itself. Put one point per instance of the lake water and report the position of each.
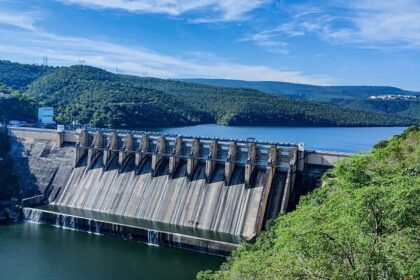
(343, 139)
(44, 252)
(32, 251)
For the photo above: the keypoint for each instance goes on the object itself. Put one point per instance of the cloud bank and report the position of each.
(374, 24)
(29, 44)
(227, 10)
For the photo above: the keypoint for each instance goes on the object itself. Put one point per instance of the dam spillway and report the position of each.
(221, 186)
(205, 184)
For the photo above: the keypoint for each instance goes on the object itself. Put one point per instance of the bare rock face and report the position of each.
(41, 165)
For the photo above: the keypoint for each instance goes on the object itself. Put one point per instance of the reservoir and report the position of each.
(341, 139)
(35, 251)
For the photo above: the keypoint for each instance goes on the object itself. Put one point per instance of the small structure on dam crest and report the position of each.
(218, 185)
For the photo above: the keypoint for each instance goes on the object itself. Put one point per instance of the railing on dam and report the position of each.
(251, 154)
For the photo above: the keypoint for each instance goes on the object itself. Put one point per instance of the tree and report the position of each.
(363, 223)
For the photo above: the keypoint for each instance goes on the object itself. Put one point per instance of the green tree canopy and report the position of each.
(363, 223)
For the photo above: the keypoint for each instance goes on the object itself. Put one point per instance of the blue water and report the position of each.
(342, 139)
(44, 252)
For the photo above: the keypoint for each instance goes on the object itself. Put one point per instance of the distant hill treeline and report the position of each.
(355, 97)
(99, 98)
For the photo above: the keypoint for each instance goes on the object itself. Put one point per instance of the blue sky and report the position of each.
(336, 42)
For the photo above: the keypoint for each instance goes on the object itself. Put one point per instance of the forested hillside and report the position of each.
(20, 107)
(356, 97)
(99, 98)
(19, 76)
(102, 99)
(238, 106)
(406, 108)
(362, 223)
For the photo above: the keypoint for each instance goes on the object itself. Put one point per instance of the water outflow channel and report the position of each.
(39, 252)
(144, 231)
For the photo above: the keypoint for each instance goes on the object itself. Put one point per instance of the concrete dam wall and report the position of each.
(217, 185)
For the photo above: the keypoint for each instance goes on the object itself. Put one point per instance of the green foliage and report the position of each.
(304, 91)
(363, 223)
(356, 97)
(99, 98)
(239, 106)
(19, 76)
(19, 107)
(406, 108)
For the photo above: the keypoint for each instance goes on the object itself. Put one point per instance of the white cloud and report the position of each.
(362, 23)
(24, 21)
(268, 40)
(377, 22)
(226, 10)
(62, 50)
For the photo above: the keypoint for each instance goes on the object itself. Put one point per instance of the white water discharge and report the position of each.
(133, 192)
(152, 238)
(31, 215)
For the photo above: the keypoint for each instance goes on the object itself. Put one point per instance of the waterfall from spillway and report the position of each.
(132, 191)
(32, 216)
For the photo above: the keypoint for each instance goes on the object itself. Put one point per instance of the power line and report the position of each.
(45, 60)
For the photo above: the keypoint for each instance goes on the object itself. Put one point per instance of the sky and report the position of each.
(333, 42)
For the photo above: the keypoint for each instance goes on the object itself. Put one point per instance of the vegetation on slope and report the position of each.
(363, 223)
(356, 97)
(238, 106)
(304, 91)
(19, 76)
(19, 107)
(406, 108)
(99, 98)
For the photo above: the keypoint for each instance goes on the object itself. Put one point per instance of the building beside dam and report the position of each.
(196, 193)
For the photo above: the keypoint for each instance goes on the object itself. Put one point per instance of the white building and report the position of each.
(4, 95)
(46, 115)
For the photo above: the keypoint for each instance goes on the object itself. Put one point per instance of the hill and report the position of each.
(20, 76)
(239, 106)
(94, 96)
(362, 223)
(102, 99)
(20, 107)
(356, 97)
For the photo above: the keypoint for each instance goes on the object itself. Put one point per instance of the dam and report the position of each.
(196, 193)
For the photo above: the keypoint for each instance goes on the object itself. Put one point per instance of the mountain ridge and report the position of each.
(355, 97)
(93, 96)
